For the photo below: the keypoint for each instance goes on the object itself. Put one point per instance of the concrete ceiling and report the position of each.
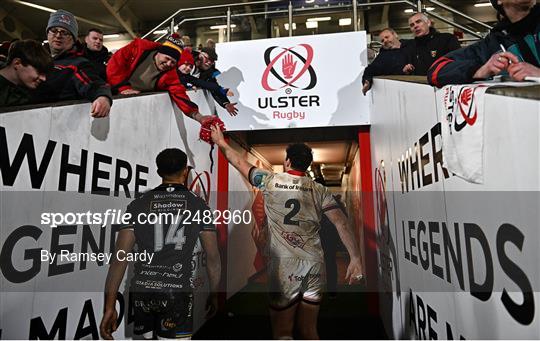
(143, 15)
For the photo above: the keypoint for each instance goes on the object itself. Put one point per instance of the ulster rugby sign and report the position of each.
(307, 81)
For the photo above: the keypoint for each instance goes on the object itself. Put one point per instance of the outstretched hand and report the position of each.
(231, 109)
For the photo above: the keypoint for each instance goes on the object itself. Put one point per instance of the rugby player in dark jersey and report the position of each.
(294, 205)
(161, 291)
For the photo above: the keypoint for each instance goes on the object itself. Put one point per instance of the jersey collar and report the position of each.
(163, 186)
(296, 172)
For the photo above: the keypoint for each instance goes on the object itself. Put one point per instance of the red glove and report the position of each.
(205, 133)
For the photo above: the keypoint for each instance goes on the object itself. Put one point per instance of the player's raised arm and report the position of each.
(234, 158)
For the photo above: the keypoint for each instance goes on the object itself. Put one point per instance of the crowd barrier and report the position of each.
(58, 159)
(456, 259)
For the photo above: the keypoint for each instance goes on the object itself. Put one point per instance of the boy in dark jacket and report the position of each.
(73, 76)
(518, 31)
(427, 45)
(25, 68)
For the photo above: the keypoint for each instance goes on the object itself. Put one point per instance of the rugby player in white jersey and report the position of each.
(294, 205)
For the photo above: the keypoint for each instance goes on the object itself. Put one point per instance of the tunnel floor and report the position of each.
(246, 316)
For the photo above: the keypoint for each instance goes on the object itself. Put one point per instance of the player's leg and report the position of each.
(306, 320)
(308, 310)
(284, 288)
(144, 319)
(283, 321)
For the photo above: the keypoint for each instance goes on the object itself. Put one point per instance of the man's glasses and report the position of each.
(60, 33)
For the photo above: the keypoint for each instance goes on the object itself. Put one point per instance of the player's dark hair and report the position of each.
(30, 52)
(170, 161)
(300, 156)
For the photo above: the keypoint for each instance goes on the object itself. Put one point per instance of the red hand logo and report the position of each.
(288, 66)
(466, 96)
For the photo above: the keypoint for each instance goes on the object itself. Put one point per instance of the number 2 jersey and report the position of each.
(294, 205)
(167, 221)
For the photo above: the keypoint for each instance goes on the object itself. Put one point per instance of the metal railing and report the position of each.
(172, 16)
(419, 5)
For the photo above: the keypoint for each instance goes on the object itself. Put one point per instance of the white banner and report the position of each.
(456, 259)
(61, 160)
(294, 82)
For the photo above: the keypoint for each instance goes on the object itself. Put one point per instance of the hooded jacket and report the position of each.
(72, 77)
(124, 62)
(423, 51)
(12, 94)
(521, 38)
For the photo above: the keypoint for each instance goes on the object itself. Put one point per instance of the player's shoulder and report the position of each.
(258, 176)
(143, 196)
(196, 199)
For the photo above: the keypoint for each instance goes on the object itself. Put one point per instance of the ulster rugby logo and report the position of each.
(289, 73)
(461, 106)
(199, 183)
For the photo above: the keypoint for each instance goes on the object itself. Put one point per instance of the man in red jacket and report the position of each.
(144, 65)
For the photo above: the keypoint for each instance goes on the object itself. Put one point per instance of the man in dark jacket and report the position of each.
(73, 76)
(204, 76)
(518, 31)
(390, 60)
(96, 52)
(427, 46)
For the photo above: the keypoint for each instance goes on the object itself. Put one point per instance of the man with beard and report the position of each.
(294, 205)
(144, 66)
(389, 61)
